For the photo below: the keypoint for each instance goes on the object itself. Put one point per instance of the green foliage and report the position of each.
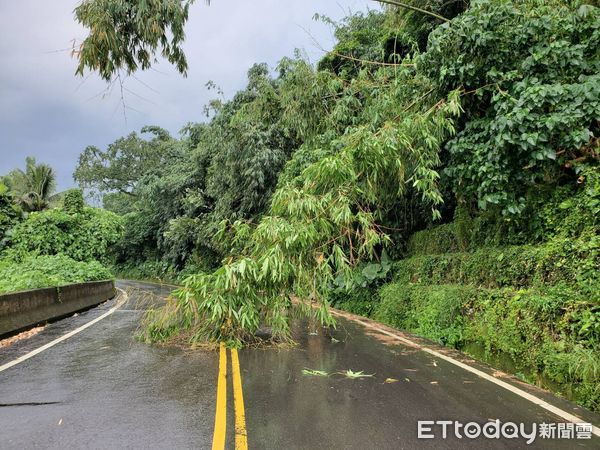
(306, 177)
(365, 274)
(565, 212)
(349, 373)
(52, 247)
(125, 162)
(570, 253)
(84, 237)
(531, 72)
(253, 146)
(432, 311)
(517, 266)
(543, 331)
(73, 202)
(126, 35)
(33, 272)
(416, 25)
(10, 213)
(435, 240)
(175, 192)
(314, 372)
(459, 235)
(32, 187)
(151, 270)
(144, 180)
(371, 40)
(360, 42)
(318, 230)
(360, 300)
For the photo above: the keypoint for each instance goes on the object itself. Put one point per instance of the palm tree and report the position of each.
(33, 187)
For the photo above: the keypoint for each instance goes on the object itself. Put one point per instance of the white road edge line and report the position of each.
(66, 336)
(515, 390)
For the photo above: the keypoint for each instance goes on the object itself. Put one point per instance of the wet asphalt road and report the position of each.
(106, 390)
(103, 389)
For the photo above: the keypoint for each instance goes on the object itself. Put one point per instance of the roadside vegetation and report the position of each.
(32, 272)
(525, 298)
(49, 239)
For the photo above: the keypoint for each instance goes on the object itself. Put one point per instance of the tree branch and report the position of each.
(414, 8)
(118, 189)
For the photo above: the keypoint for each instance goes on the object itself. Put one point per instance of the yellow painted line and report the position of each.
(241, 435)
(66, 336)
(221, 411)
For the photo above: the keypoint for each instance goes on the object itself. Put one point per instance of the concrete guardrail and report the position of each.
(19, 310)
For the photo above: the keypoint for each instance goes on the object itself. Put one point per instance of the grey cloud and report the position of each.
(47, 112)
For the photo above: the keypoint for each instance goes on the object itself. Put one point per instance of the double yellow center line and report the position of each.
(241, 436)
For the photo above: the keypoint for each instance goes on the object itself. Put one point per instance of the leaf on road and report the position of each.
(360, 374)
(316, 373)
(391, 380)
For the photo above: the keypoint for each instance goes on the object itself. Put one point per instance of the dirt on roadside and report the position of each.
(18, 337)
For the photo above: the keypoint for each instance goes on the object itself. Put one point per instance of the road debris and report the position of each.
(315, 373)
(354, 375)
(18, 337)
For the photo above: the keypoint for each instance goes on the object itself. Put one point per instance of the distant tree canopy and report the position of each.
(177, 191)
(32, 187)
(125, 162)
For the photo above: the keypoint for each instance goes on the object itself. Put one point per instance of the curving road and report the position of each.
(100, 388)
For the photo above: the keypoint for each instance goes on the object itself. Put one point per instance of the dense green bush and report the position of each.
(432, 311)
(82, 236)
(567, 211)
(47, 271)
(532, 69)
(73, 202)
(10, 213)
(438, 239)
(552, 332)
(576, 261)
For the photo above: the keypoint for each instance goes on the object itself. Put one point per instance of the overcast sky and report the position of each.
(48, 112)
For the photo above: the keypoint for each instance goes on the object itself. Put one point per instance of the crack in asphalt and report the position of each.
(6, 405)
